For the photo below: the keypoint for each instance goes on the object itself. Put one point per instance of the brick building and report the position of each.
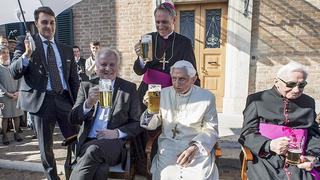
(239, 44)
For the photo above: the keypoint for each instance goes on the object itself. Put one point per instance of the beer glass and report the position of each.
(294, 152)
(154, 98)
(105, 93)
(146, 47)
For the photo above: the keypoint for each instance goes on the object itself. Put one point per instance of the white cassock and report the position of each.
(186, 119)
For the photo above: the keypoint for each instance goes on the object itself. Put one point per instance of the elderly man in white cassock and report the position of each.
(189, 123)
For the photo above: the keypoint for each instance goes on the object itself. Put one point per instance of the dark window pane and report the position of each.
(213, 28)
(187, 25)
(64, 31)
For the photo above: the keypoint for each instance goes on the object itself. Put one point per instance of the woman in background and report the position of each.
(10, 87)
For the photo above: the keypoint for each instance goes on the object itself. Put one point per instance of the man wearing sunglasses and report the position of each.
(275, 121)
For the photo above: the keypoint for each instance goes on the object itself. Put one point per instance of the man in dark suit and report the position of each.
(81, 64)
(101, 138)
(49, 84)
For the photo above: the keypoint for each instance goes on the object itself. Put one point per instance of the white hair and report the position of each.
(291, 67)
(191, 71)
(105, 51)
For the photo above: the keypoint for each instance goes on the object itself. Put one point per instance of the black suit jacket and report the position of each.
(82, 65)
(124, 114)
(35, 75)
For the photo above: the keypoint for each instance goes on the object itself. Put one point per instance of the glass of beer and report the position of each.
(154, 98)
(105, 93)
(294, 153)
(146, 47)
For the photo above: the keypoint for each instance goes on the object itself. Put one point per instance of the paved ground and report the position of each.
(21, 160)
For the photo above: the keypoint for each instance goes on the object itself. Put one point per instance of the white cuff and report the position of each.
(85, 110)
(201, 149)
(122, 134)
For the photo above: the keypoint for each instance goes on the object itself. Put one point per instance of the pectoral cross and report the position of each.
(163, 61)
(174, 131)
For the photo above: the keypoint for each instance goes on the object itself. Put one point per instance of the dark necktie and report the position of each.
(55, 79)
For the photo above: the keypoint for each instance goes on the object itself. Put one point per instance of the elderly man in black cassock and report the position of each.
(274, 120)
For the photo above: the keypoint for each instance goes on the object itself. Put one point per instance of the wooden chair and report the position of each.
(150, 144)
(247, 156)
(120, 171)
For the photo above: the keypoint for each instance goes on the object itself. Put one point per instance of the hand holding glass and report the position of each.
(294, 152)
(105, 93)
(154, 98)
(146, 47)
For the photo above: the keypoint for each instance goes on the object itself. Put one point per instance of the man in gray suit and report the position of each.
(49, 84)
(103, 130)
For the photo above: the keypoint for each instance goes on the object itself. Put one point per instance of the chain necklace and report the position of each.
(174, 130)
(163, 59)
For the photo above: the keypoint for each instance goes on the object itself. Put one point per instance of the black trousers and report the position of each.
(96, 156)
(55, 108)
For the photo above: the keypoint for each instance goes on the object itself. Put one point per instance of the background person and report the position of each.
(10, 87)
(90, 62)
(81, 64)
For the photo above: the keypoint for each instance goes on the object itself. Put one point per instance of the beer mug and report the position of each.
(105, 93)
(146, 47)
(154, 98)
(294, 152)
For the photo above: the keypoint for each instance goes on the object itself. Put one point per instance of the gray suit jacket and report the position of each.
(125, 112)
(35, 76)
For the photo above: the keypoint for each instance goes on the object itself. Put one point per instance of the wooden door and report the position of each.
(206, 26)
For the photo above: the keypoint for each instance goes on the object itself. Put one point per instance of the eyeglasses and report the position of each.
(291, 84)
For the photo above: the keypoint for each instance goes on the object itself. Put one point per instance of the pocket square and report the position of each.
(68, 60)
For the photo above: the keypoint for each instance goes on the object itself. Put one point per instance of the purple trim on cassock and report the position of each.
(273, 131)
(152, 76)
(315, 174)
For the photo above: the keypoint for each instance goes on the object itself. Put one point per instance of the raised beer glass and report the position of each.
(154, 98)
(105, 93)
(294, 153)
(146, 47)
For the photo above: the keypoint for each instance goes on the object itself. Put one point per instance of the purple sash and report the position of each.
(273, 131)
(152, 76)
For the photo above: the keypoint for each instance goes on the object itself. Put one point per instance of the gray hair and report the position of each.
(291, 67)
(107, 52)
(191, 71)
(167, 6)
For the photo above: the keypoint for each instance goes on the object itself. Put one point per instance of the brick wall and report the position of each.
(115, 23)
(284, 30)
